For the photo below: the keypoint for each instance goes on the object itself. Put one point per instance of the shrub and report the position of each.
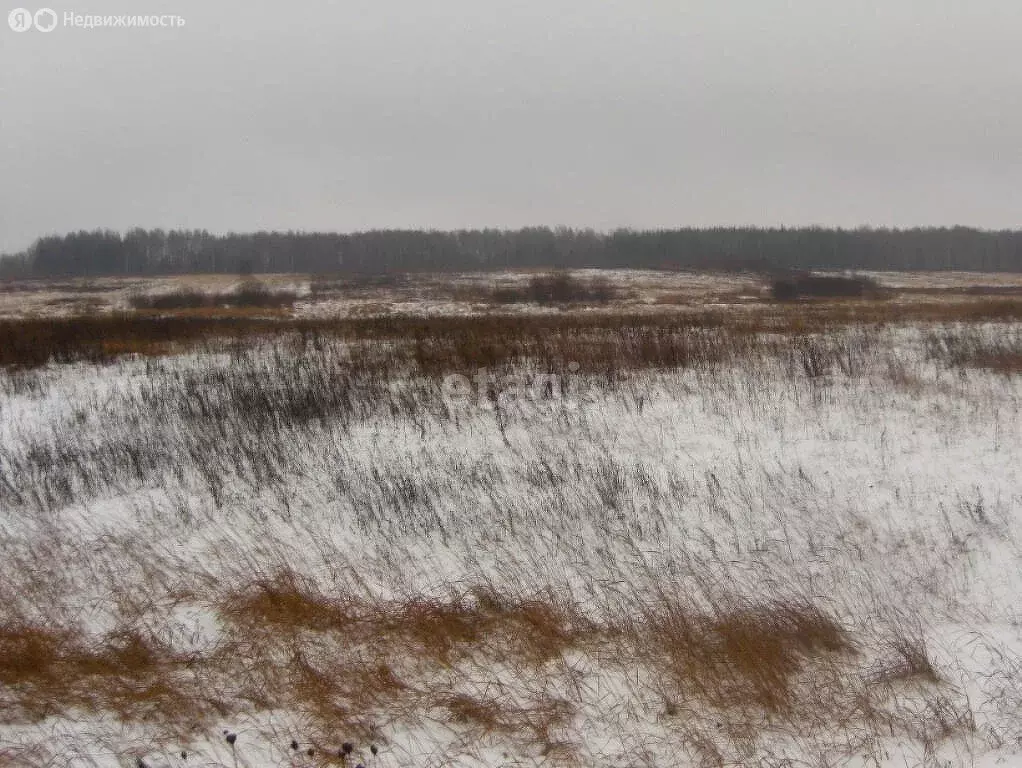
(326, 284)
(556, 288)
(823, 286)
(185, 299)
(256, 294)
(251, 293)
(785, 290)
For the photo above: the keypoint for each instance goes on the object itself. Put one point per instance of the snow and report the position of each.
(877, 500)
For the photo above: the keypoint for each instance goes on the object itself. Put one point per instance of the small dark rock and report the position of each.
(184, 755)
(231, 738)
(347, 747)
(311, 752)
(294, 744)
(373, 749)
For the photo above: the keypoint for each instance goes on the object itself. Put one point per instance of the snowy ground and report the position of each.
(445, 294)
(886, 491)
(329, 297)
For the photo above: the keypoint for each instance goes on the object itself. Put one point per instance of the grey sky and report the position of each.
(464, 113)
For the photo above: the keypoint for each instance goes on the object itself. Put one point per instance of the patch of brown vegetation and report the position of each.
(47, 671)
(742, 655)
(533, 629)
(286, 602)
(739, 657)
(28, 653)
(469, 710)
(441, 345)
(347, 665)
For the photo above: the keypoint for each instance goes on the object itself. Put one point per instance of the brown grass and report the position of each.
(346, 665)
(439, 345)
(440, 630)
(743, 655)
(532, 631)
(28, 654)
(739, 657)
(469, 710)
(49, 670)
(285, 602)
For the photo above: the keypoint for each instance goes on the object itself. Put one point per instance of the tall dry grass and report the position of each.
(665, 563)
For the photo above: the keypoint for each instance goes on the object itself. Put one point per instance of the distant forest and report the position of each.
(158, 252)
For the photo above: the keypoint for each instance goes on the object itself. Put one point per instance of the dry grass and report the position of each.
(286, 602)
(1004, 361)
(468, 710)
(346, 665)
(50, 671)
(908, 660)
(741, 656)
(533, 630)
(439, 345)
(971, 348)
(754, 661)
(344, 662)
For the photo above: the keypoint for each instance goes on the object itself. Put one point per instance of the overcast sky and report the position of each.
(465, 113)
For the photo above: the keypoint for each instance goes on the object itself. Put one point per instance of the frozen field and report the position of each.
(785, 549)
(466, 294)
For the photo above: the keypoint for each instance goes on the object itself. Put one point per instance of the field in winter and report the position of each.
(628, 519)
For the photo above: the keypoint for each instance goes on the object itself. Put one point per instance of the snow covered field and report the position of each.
(807, 554)
(444, 294)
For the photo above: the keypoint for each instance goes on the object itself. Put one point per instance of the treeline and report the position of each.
(159, 252)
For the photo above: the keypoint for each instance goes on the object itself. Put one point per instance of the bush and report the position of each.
(821, 286)
(556, 288)
(256, 294)
(250, 294)
(175, 300)
(328, 284)
(785, 290)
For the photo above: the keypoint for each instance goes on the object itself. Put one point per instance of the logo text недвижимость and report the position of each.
(46, 20)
